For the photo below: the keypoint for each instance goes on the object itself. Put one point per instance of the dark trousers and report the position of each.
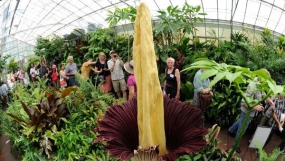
(72, 82)
(281, 145)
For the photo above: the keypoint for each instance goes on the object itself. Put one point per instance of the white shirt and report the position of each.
(117, 73)
(3, 89)
(33, 72)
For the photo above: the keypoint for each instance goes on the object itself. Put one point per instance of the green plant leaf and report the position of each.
(275, 88)
(217, 78)
(232, 76)
(30, 130)
(208, 73)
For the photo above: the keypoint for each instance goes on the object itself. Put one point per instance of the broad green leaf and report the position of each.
(261, 73)
(29, 131)
(208, 73)
(197, 157)
(173, 28)
(196, 67)
(217, 78)
(205, 62)
(275, 88)
(232, 76)
(198, 8)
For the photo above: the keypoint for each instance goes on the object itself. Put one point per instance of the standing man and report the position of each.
(115, 65)
(86, 68)
(70, 71)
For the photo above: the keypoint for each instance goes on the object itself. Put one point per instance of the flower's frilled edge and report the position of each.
(149, 154)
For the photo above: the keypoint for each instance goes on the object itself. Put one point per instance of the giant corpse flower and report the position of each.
(150, 126)
(183, 129)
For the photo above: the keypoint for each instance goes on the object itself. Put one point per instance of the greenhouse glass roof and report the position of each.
(23, 21)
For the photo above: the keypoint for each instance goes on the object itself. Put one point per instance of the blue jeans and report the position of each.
(236, 127)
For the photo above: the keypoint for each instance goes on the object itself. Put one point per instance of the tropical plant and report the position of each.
(3, 61)
(228, 108)
(238, 77)
(269, 157)
(34, 60)
(187, 91)
(51, 49)
(267, 38)
(42, 117)
(104, 40)
(12, 66)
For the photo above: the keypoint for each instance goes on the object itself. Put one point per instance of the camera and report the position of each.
(115, 56)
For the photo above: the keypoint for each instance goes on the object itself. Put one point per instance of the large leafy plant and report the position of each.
(228, 108)
(42, 117)
(238, 77)
(52, 49)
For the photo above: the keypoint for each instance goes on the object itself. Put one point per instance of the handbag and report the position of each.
(205, 100)
(63, 83)
(101, 78)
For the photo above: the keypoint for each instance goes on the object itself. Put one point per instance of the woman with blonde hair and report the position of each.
(104, 75)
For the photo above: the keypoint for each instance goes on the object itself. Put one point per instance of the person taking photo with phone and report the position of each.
(115, 65)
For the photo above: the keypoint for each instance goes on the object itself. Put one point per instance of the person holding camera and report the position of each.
(115, 65)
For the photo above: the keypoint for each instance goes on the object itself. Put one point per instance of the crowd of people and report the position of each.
(111, 77)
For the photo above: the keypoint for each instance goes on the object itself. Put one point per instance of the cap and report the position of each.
(129, 67)
(112, 51)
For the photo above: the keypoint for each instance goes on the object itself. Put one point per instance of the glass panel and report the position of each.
(281, 26)
(35, 17)
(263, 15)
(240, 11)
(273, 19)
(279, 3)
(251, 12)
(210, 7)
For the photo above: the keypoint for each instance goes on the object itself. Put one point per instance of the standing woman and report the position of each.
(62, 76)
(131, 82)
(171, 86)
(201, 87)
(101, 67)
